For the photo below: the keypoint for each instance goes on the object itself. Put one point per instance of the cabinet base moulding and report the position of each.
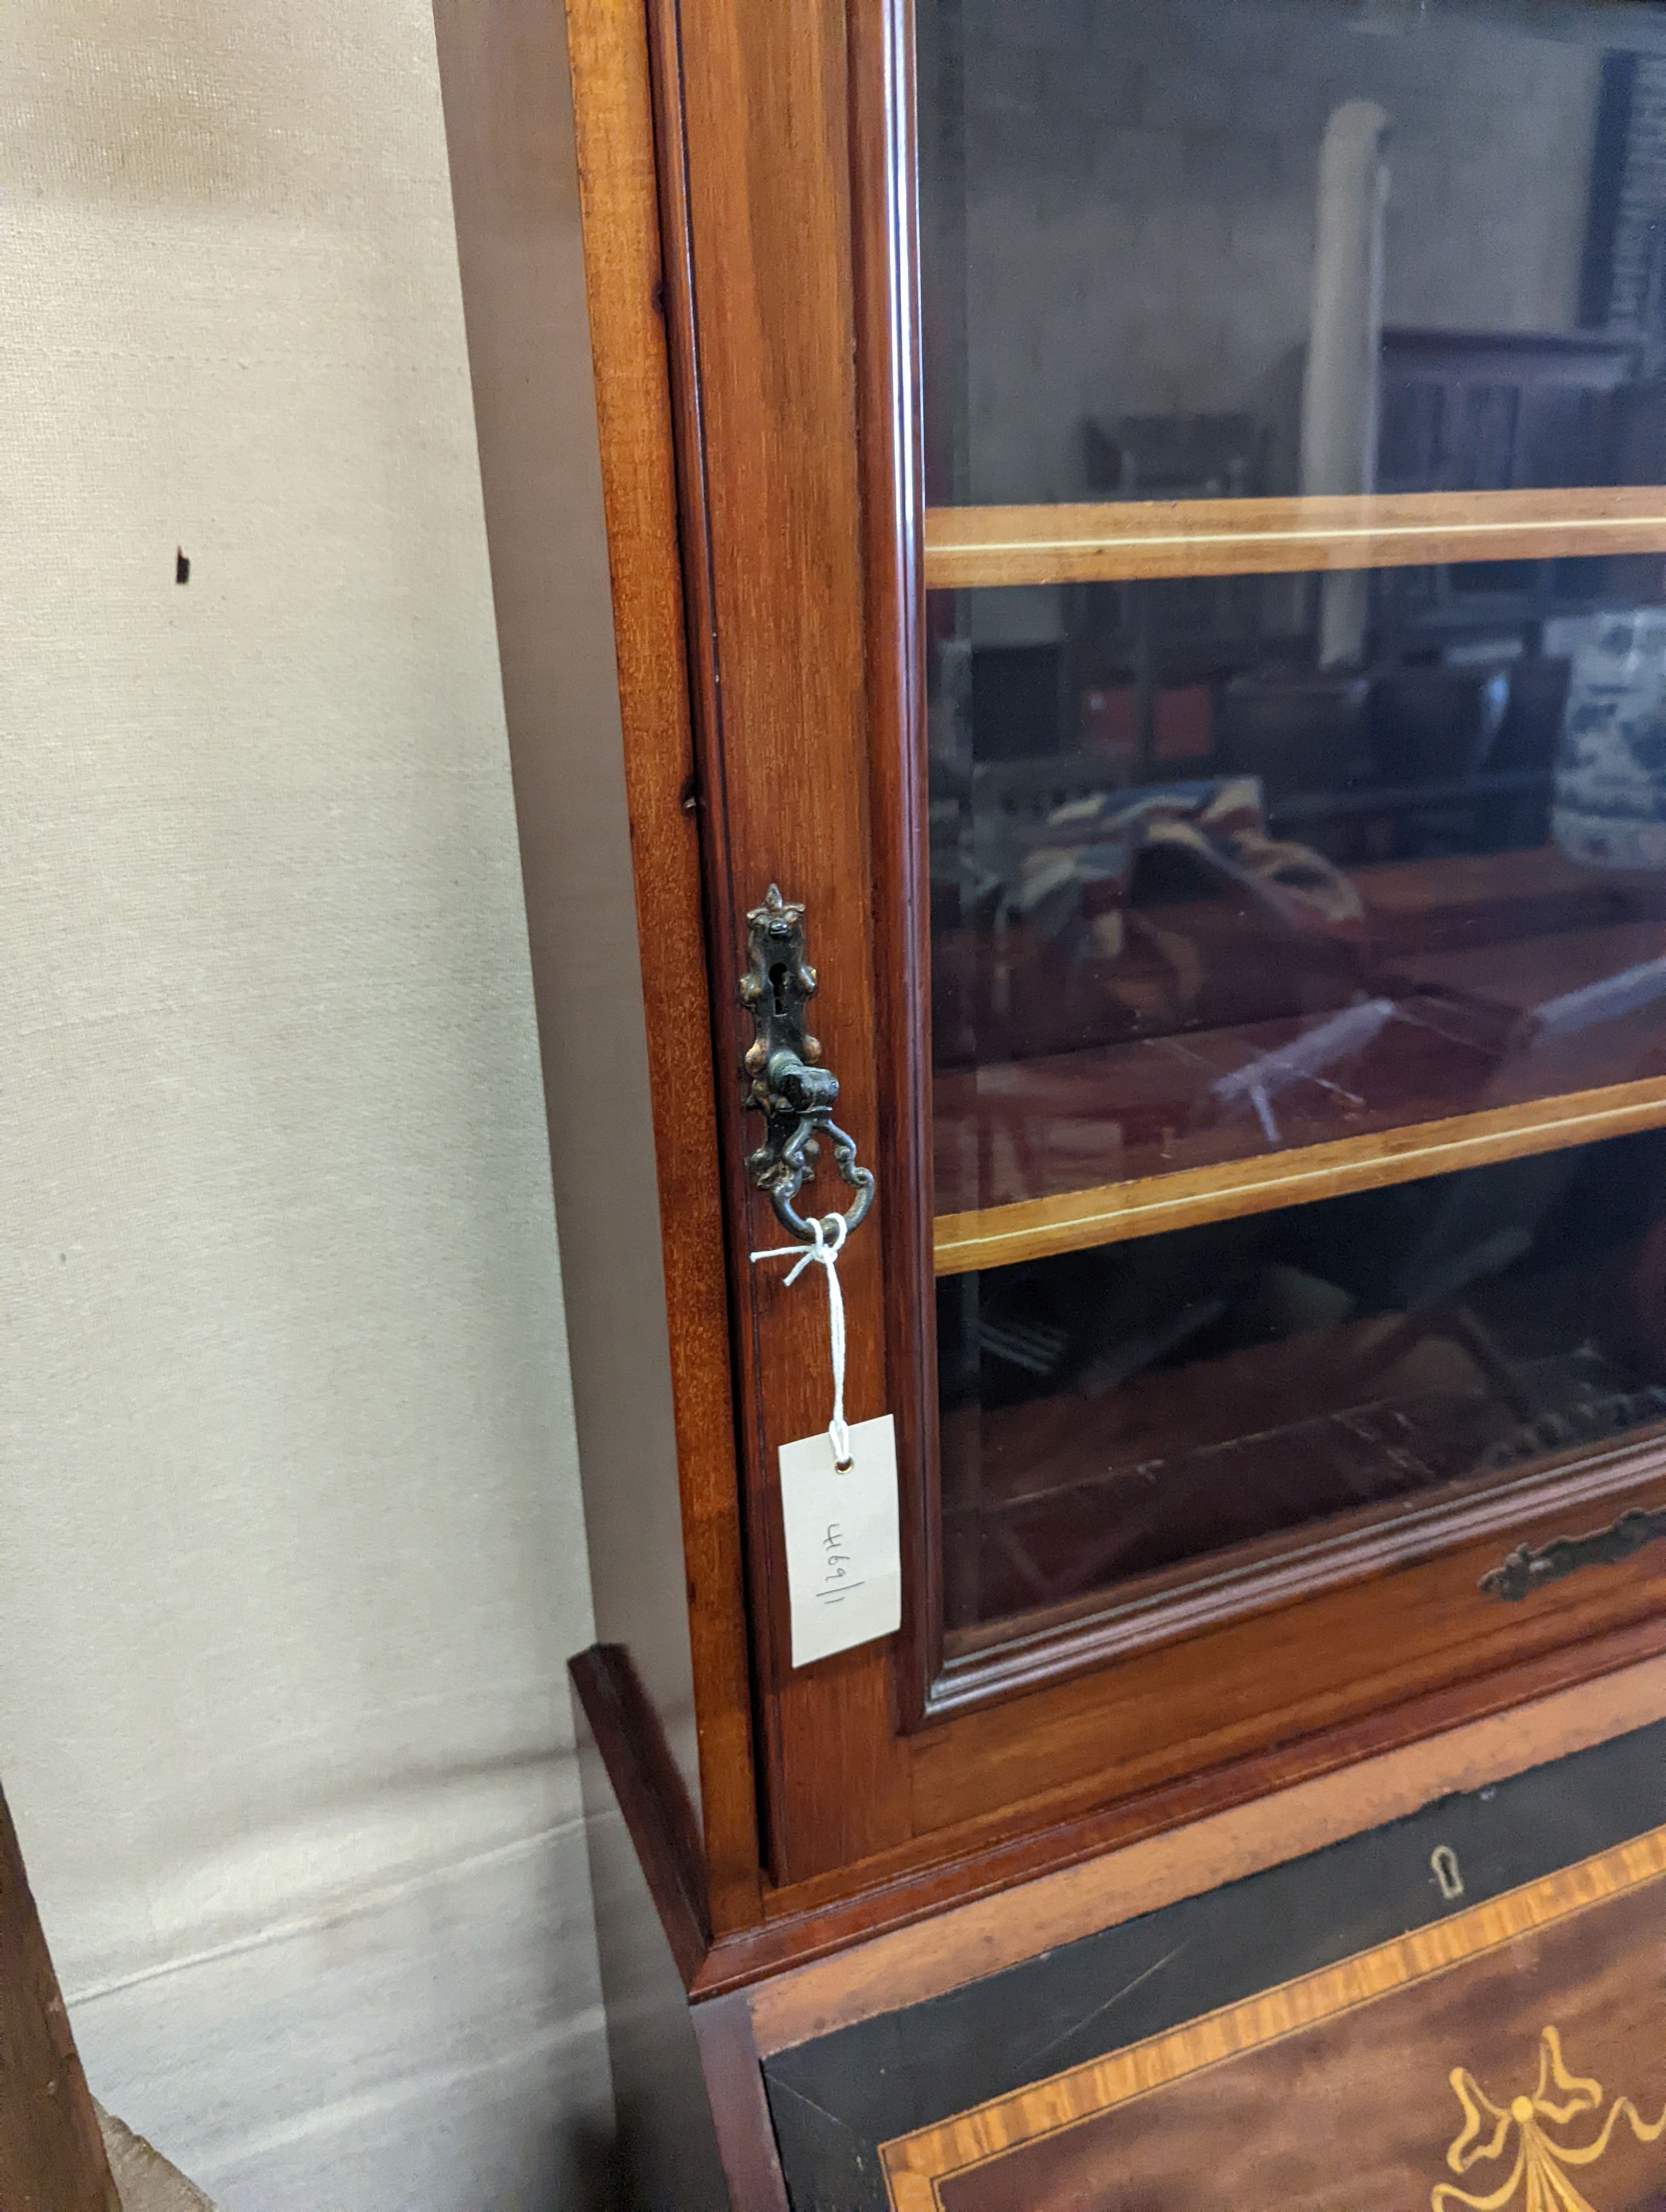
(890, 1932)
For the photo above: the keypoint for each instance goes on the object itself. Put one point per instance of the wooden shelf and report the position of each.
(1073, 1221)
(1117, 542)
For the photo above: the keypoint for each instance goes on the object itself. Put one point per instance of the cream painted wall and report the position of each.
(290, 1543)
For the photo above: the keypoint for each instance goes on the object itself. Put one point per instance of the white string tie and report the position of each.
(824, 1254)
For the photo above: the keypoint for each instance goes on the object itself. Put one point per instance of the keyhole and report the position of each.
(1450, 1881)
(778, 988)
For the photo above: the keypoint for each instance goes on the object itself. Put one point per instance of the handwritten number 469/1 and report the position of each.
(841, 1533)
(836, 1584)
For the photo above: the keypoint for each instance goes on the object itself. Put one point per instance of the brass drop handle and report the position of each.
(1525, 1570)
(784, 1080)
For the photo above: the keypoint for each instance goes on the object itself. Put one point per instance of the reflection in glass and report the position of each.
(1248, 905)
(1109, 1413)
(1224, 248)
(1228, 864)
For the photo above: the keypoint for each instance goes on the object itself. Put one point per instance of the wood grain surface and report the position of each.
(1323, 1659)
(1034, 1228)
(1121, 541)
(899, 1920)
(651, 1798)
(906, 1889)
(52, 2155)
(908, 1965)
(740, 2110)
(878, 1787)
(618, 186)
(1334, 2088)
(757, 215)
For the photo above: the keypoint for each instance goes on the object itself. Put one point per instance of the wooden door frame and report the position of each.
(761, 314)
(625, 279)
(761, 340)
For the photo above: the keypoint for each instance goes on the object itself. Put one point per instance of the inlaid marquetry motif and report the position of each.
(1321, 2092)
(1538, 2180)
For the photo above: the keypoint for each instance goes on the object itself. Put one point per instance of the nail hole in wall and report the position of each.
(181, 567)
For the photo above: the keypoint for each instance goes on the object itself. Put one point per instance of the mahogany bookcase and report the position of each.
(1263, 1096)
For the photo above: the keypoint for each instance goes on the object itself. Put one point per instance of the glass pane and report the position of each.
(1156, 238)
(1194, 899)
(1109, 1413)
(1228, 863)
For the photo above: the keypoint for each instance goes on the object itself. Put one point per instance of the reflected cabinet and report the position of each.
(1146, 520)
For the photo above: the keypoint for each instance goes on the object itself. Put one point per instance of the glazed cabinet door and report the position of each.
(1174, 551)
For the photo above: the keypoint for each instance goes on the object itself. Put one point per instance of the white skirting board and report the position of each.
(143, 2178)
(437, 2045)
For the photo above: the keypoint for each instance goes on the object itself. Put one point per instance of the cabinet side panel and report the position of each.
(515, 191)
(601, 755)
(666, 2152)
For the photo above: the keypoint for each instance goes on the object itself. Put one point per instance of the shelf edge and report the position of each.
(1113, 1213)
(1124, 541)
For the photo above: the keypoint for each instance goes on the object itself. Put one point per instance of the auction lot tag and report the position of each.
(844, 1566)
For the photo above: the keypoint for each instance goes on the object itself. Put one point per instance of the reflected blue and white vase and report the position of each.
(1609, 804)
